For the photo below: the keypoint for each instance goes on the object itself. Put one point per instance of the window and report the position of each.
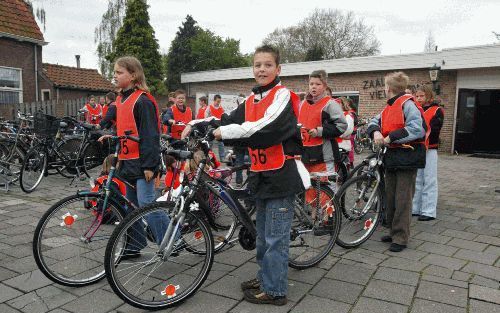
(45, 94)
(11, 89)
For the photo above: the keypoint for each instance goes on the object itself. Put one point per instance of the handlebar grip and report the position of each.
(133, 138)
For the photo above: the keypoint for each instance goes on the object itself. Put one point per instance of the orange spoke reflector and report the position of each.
(198, 235)
(329, 211)
(368, 224)
(68, 219)
(170, 291)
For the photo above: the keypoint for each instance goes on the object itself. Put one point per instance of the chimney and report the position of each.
(77, 57)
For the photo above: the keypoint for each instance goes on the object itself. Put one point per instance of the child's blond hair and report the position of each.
(397, 82)
(134, 67)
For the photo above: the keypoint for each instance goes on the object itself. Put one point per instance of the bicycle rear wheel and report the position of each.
(149, 280)
(360, 201)
(64, 247)
(33, 169)
(315, 227)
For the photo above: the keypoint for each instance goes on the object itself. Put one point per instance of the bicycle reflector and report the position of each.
(368, 224)
(198, 234)
(170, 291)
(68, 219)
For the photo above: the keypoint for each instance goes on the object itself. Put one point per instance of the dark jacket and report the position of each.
(146, 119)
(281, 128)
(436, 123)
(411, 134)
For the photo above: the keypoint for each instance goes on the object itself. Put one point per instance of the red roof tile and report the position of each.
(16, 19)
(76, 78)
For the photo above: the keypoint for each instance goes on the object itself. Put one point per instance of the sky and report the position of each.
(400, 26)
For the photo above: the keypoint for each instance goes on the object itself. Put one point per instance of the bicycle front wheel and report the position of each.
(315, 227)
(70, 240)
(33, 169)
(147, 278)
(360, 201)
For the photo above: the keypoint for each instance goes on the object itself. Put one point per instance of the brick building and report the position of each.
(67, 82)
(469, 85)
(21, 44)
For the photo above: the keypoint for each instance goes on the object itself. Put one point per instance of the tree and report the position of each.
(497, 35)
(196, 49)
(39, 12)
(105, 34)
(430, 43)
(315, 53)
(179, 55)
(136, 38)
(325, 34)
(211, 52)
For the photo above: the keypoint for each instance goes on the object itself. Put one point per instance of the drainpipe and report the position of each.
(36, 71)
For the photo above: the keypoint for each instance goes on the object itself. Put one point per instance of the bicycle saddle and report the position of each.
(180, 154)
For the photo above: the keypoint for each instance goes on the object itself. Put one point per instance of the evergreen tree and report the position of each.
(136, 38)
(315, 53)
(179, 56)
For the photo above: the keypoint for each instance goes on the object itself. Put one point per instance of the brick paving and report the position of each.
(452, 263)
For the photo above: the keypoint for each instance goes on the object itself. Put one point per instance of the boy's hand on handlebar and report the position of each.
(378, 138)
(217, 134)
(186, 131)
(313, 132)
(104, 137)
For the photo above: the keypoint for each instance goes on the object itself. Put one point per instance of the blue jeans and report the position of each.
(274, 220)
(426, 187)
(142, 195)
(220, 148)
(241, 155)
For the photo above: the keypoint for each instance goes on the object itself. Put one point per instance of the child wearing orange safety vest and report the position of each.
(266, 123)
(426, 188)
(93, 111)
(216, 110)
(402, 127)
(322, 122)
(203, 107)
(137, 115)
(178, 115)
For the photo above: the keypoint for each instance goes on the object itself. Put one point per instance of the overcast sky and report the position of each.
(401, 26)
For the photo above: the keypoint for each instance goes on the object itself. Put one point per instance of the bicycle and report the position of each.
(165, 274)
(361, 139)
(71, 158)
(361, 200)
(69, 240)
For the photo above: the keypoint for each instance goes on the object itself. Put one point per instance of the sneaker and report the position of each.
(323, 230)
(386, 239)
(250, 284)
(258, 297)
(425, 218)
(396, 247)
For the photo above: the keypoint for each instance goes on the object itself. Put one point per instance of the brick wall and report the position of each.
(21, 55)
(368, 84)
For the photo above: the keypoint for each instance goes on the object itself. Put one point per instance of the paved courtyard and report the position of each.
(452, 263)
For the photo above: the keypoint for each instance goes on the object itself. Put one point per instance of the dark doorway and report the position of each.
(478, 117)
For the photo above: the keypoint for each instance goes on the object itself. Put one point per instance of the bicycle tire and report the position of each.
(353, 221)
(333, 230)
(54, 245)
(112, 262)
(33, 159)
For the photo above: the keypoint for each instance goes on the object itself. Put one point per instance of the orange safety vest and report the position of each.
(271, 158)
(428, 116)
(216, 112)
(126, 122)
(185, 117)
(393, 118)
(93, 114)
(310, 118)
(100, 181)
(201, 113)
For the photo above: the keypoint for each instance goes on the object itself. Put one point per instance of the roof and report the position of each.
(76, 78)
(17, 21)
(448, 59)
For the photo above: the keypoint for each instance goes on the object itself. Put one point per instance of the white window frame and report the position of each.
(45, 90)
(20, 89)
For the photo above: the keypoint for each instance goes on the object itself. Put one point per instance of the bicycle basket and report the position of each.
(45, 125)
